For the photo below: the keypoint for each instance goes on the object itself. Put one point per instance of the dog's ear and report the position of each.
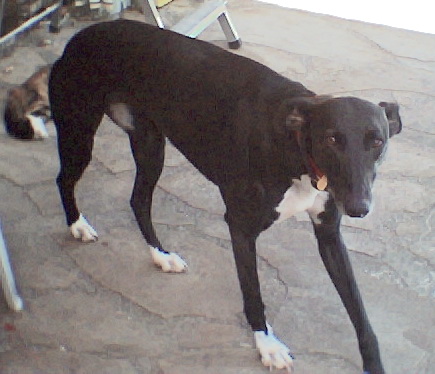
(300, 109)
(394, 121)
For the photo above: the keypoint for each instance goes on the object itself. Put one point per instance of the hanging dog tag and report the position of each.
(322, 183)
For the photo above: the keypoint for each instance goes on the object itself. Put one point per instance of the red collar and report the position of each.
(318, 175)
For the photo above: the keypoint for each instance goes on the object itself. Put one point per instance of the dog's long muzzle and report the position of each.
(357, 208)
(354, 198)
(358, 201)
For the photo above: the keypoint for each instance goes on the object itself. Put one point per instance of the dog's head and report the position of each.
(346, 139)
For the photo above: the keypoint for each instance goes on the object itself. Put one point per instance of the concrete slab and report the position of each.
(104, 308)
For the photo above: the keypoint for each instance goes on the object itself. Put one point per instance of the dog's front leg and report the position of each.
(335, 257)
(273, 352)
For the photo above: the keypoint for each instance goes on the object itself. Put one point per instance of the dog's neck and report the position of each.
(318, 176)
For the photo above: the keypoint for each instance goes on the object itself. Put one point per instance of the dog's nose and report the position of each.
(358, 209)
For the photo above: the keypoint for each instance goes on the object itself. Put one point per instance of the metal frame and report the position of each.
(7, 278)
(30, 22)
(195, 23)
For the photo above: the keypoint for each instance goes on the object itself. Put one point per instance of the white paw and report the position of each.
(169, 262)
(39, 129)
(81, 229)
(274, 354)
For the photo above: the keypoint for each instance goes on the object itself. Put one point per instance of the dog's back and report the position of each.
(193, 91)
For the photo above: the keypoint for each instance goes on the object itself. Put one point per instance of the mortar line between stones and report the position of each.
(420, 131)
(387, 51)
(278, 275)
(428, 225)
(24, 190)
(159, 315)
(383, 89)
(256, 44)
(328, 354)
(185, 202)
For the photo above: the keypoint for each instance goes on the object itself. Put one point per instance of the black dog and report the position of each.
(273, 148)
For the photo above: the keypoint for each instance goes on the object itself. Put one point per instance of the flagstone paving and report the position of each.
(104, 308)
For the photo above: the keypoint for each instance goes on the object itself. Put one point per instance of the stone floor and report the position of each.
(104, 308)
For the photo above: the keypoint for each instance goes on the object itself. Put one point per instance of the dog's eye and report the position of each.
(377, 143)
(331, 140)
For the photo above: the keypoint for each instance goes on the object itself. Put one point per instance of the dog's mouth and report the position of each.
(358, 209)
(354, 208)
(355, 205)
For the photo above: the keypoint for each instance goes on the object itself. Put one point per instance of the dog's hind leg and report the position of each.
(77, 111)
(147, 145)
(335, 257)
(75, 152)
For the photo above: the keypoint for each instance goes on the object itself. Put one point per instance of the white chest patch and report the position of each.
(302, 197)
